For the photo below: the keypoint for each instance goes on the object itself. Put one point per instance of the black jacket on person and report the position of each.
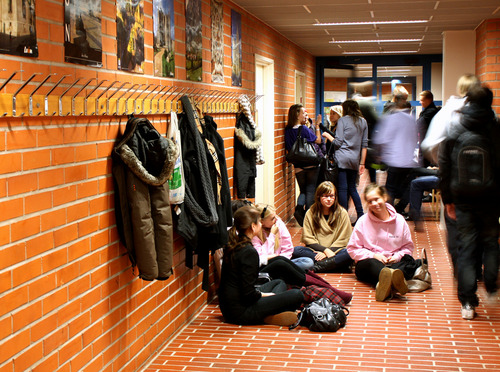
(143, 161)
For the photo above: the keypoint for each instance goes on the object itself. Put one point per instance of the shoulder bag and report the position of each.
(328, 169)
(302, 154)
(322, 316)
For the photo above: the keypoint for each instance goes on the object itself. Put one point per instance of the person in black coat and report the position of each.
(239, 300)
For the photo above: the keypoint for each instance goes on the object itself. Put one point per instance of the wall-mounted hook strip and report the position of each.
(30, 109)
(100, 95)
(111, 96)
(62, 95)
(77, 93)
(169, 91)
(140, 94)
(164, 99)
(46, 99)
(151, 101)
(85, 101)
(17, 91)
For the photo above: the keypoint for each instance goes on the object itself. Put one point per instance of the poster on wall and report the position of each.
(164, 38)
(217, 16)
(235, 48)
(194, 69)
(18, 28)
(130, 35)
(82, 32)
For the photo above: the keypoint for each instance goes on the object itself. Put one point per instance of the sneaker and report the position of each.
(286, 318)
(399, 282)
(384, 285)
(468, 311)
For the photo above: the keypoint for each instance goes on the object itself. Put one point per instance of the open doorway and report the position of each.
(264, 116)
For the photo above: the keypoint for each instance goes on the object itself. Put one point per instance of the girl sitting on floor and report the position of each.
(326, 232)
(381, 246)
(240, 302)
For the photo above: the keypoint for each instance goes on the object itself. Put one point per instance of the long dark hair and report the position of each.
(323, 188)
(351, 108)
(242, 220)
(293, 115)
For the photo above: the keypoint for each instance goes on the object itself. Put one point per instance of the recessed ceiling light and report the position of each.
(373, 41)
(369, 23)
(307, 9)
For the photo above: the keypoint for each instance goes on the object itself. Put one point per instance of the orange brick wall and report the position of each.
(336, 84)
(488, 57)
(69, 300)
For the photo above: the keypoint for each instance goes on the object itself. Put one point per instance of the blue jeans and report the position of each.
(347, 187)
(341, 258)
(417, 188)
(307, 179)
(305, 263)
(478, 230)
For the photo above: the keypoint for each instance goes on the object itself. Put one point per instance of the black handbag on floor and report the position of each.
(302, 154)
(322, 316)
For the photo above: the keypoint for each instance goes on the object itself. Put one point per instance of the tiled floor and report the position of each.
(423, 332)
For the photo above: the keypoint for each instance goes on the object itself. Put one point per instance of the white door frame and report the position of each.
(264, 116)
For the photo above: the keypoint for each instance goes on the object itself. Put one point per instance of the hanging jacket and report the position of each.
(246, 142)
(206, 212)
(143, 161)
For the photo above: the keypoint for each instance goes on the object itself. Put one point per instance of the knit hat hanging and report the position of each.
(246, 109)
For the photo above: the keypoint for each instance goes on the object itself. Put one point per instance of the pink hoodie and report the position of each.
(372, 235)
(267, 248)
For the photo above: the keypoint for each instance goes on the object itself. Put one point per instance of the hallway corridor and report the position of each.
(423, 332)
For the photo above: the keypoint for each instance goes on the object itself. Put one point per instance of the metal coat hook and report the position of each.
(129, 97)
(30, 109)
(100, 95)
(140, 94)
(17, 91)
(147, 95)
(9, 79)
(46, 99)
(61, 96)
(112, 94)
(88, 95)
(164, 99)
(77, 93)
(153, 98)
(118, 99)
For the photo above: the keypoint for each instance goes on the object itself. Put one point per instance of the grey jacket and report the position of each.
(350, 138)
(143, 161)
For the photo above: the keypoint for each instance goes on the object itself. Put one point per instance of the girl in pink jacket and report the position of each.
(381, 246)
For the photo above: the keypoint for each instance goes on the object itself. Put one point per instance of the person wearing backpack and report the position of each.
(470, 166)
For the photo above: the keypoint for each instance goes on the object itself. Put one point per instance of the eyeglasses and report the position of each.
(331, 196)
(263, 212)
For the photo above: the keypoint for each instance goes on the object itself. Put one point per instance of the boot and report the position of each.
(384, 285)
(398, 281)
(326, 265)
(299, 214)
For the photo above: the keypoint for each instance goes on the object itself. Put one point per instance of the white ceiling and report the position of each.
(295, 18)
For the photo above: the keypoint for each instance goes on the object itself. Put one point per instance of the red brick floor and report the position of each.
(422, 332)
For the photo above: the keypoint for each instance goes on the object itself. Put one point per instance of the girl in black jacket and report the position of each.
(240, 302)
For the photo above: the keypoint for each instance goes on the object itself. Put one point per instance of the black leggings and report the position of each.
(368, 270)
(283, 300)
(282, 268)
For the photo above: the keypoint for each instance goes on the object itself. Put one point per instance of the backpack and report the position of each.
(473, 165)
(322, 316)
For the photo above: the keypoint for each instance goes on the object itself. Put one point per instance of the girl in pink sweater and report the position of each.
(381, 246)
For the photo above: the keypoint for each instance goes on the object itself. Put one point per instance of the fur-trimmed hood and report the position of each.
(150, 156)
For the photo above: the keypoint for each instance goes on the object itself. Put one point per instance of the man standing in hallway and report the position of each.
(469, 162)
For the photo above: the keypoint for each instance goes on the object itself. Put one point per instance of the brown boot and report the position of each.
(399, 282)
(384, 285)
(286, 318)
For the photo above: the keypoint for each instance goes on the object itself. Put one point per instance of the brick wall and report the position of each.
(488, 57)
(70, 300)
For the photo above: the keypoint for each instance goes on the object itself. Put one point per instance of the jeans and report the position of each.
(478, 229)
(417, 188)
(305, 263)
(307, 179)
(341, 258)
(282, 268)
(347, 187)
(398, 180)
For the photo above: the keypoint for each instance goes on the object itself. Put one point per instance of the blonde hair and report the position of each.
(466, 82)
(264, 211)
